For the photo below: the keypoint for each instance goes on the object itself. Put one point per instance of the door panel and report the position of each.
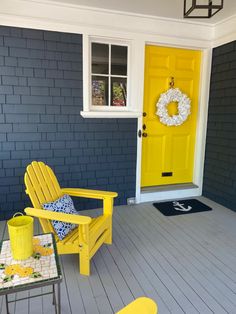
(159, 143)
(184, 64)
(180, 157)
(169, 149)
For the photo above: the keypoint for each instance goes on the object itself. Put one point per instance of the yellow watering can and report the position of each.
(20, 230)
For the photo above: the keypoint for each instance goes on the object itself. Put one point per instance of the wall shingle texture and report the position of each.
(40, 104)
(220, 160)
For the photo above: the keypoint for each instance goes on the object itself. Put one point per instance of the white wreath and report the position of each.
(175, 95)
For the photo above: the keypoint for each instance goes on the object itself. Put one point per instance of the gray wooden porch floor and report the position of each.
(187, 264)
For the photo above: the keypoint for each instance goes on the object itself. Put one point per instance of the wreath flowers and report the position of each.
(173, 95)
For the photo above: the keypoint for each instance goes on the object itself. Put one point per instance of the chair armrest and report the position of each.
(48, 214)
(89, 193)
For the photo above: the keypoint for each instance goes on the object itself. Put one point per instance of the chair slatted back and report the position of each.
(42, 187)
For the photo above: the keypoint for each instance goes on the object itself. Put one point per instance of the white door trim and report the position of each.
(199, 155)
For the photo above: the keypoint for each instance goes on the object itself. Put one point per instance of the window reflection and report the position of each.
(109, 75)
(99, 91)
(100, 58)
(118, 92)
(118, 60)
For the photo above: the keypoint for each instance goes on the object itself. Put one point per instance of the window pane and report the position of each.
(100, 58)
(99, 91)
(118, 91)
(118, 60)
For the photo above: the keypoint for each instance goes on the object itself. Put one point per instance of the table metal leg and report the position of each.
(7, 305)
(53, 295)
(54, 300)
(59, 298)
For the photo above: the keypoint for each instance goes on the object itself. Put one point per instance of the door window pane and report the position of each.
(99, 91)
(118, 92)
(118, 60)
(100, 58)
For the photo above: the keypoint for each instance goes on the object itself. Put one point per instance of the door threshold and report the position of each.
(168, 192)
(169, 187)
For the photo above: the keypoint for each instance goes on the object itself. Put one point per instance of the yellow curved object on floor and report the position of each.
(140, 306)
(42, 187)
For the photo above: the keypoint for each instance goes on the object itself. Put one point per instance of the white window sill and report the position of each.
(110, 114)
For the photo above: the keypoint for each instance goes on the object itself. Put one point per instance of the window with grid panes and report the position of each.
(109, 76)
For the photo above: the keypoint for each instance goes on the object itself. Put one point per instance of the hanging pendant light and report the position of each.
(202, 8)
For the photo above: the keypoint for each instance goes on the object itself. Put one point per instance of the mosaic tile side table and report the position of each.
(40, 270)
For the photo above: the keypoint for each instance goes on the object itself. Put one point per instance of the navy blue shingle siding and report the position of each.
(220, 161)
(40, 103)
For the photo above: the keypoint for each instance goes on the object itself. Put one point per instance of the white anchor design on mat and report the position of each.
(181, 207)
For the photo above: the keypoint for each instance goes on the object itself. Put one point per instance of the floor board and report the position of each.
(185, 263)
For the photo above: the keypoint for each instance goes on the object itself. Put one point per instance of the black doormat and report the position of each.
(181, 207)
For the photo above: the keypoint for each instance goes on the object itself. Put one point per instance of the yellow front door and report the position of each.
(168, 151)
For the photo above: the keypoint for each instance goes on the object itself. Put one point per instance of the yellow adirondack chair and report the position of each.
(42, 187)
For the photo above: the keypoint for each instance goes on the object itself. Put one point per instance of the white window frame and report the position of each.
(90, 111)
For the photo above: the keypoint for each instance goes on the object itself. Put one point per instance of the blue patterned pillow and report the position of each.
(62, 205)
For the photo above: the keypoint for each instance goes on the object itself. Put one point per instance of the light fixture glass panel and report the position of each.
(206, 2)
(199, 13)
(189, 4)
(202, 2)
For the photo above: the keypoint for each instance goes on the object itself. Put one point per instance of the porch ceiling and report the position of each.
(185, 263)
(159, 8)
